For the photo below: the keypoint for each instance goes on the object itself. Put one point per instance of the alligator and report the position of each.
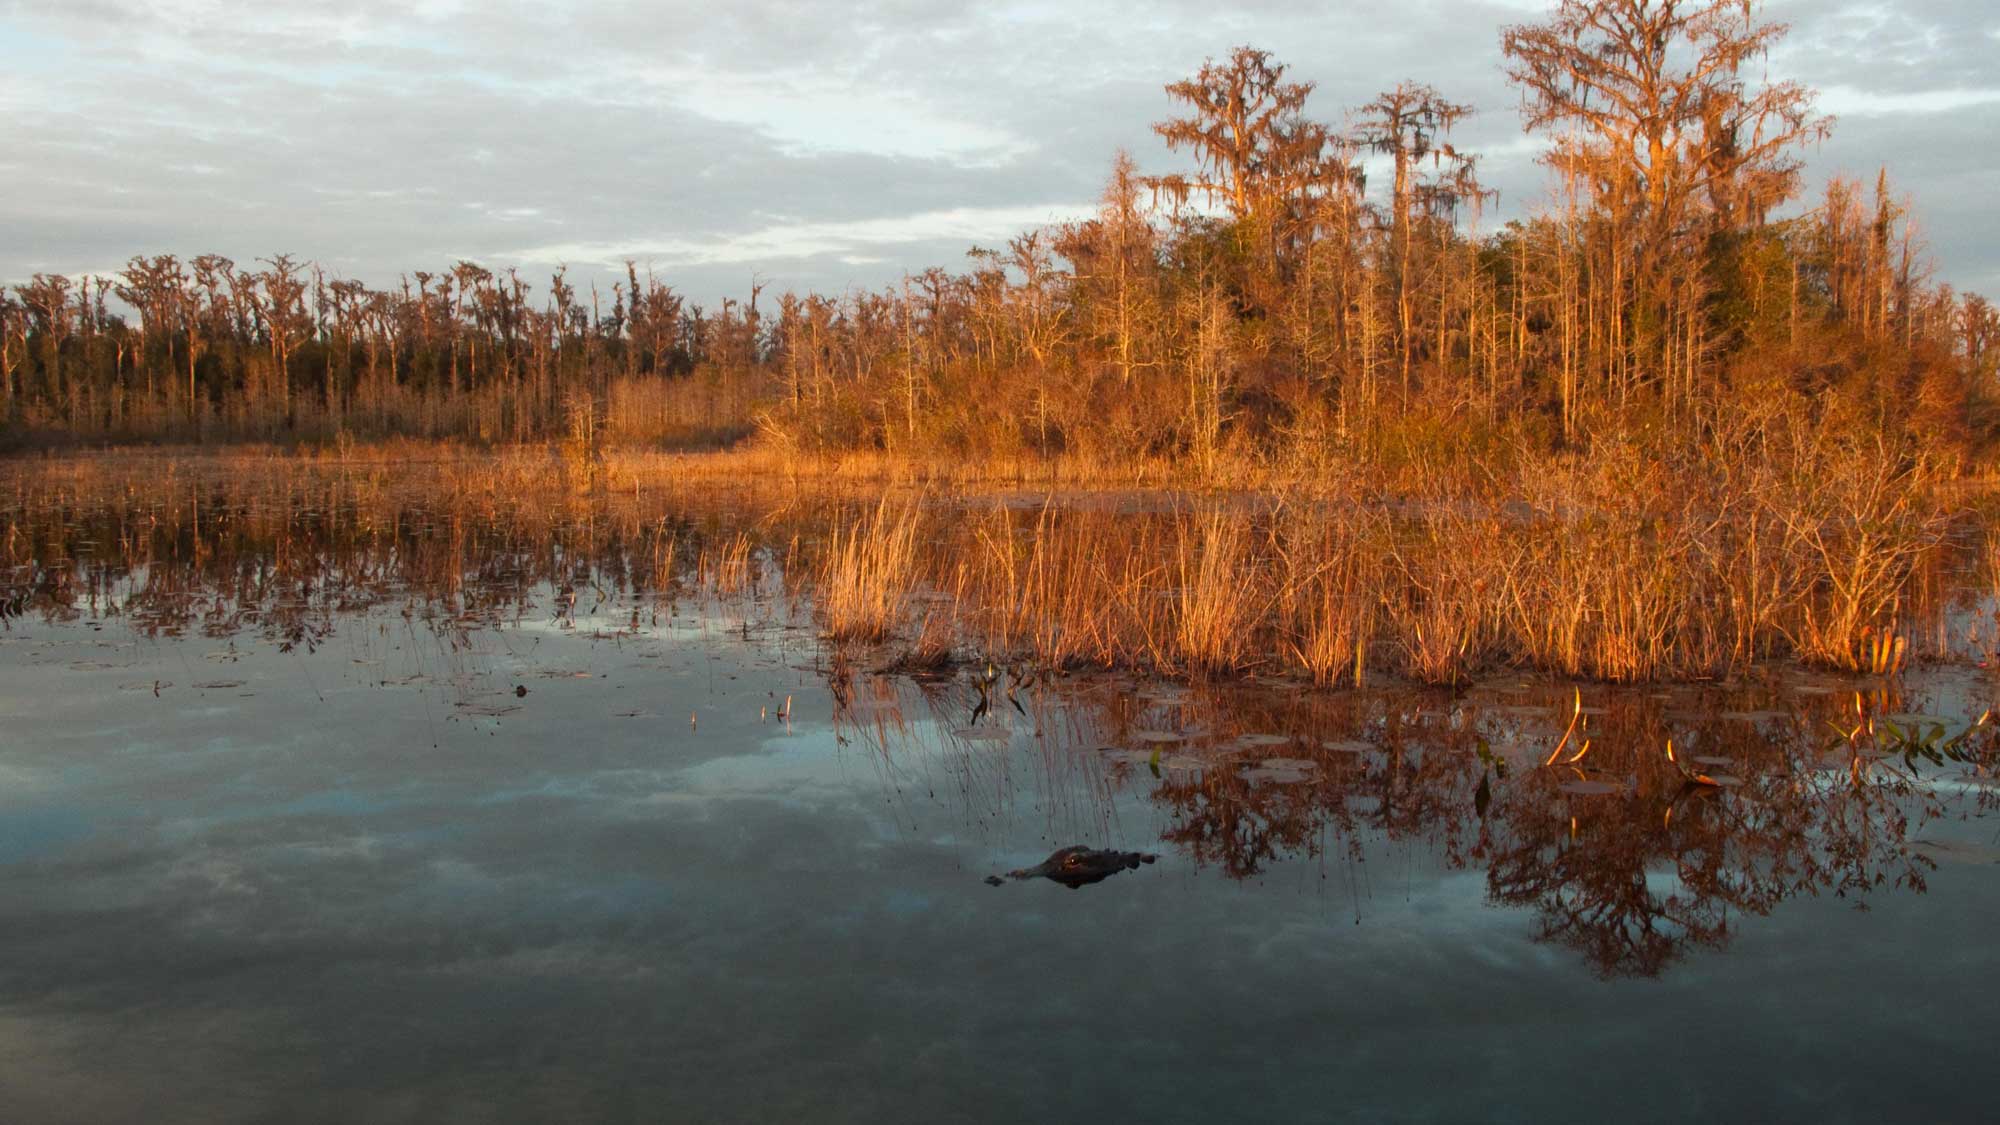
(1076, 865)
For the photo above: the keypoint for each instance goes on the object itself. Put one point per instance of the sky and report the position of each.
(804, 144)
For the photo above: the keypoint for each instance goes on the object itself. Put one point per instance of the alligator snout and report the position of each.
(1076, 865)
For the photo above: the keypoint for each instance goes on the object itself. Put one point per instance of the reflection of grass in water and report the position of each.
(1613, 568)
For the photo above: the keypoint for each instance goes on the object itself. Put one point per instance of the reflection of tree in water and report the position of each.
(1622, 856)
(284, 558)
(1632, 877)
(1408, 783)
(1585, 865)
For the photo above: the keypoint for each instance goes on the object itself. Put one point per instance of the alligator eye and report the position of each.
(1072, 861)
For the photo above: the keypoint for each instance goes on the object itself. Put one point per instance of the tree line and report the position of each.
(1261, 304)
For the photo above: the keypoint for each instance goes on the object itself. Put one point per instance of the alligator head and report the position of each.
(1076, 865)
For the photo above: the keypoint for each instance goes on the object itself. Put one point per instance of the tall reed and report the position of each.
(1328, 598)
(867, 575)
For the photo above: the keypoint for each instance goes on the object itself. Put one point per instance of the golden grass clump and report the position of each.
(1610, 563)
(727, 566)
(1219, 599)
(1328, 599)
(868, 573)
(1858, 539)
(1438, 590)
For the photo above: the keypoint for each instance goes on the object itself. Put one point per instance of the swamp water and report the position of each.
(323, 804)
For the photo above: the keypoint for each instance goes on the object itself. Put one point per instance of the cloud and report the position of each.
(1847, 101)
(818, 145)
(794, 240)
(807, 116)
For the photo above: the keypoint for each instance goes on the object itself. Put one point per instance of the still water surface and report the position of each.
(332, 810)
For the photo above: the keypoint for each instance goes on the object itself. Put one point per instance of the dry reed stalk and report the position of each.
(936, 639)
(1607, 566)
(868, 572)
(726, 568)
(665, 555)
(1859, 538)
(1439, 601)
(1221, 599)
(1043, 590)
(1327, 601)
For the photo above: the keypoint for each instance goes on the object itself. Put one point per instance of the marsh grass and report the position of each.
(1611, 566)
(1328, 602)
(1437, 594)
(1220, 599)
(1043, 591)
(869, 573)
(727, 567)
(1862, 539)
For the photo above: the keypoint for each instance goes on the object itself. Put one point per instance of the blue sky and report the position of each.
(810, 145)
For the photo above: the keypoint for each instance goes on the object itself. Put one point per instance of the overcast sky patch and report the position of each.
(813, 146)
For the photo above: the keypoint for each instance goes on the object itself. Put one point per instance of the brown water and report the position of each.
(326, 803)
